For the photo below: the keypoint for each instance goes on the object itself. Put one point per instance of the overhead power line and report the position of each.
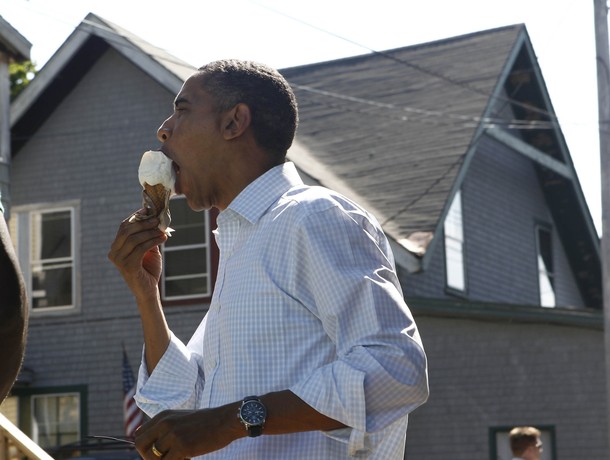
(407, 63)
(452, 118)
(490, 123)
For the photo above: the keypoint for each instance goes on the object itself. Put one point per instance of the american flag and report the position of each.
(132, 414)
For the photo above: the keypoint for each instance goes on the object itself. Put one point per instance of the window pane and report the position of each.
(453, 221)
(196, 286)
(545, 268)
(44, 421)
(455, 265)
(52, 263)
(547, 292)
(454, 245)
(186, 255)
(52, 234)
(190, 226)
(185, 262)
(545, 249)
(56, 419)
(51, 285)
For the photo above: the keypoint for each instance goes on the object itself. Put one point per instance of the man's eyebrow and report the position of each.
(180, 100)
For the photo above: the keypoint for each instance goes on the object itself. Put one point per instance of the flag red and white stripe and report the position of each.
(132, 414)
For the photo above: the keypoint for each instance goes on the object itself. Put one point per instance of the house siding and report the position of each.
(88, 150)
(502, 203)
(497, 374)
(504, 372)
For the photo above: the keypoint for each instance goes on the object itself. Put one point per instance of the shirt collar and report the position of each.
(253, 201)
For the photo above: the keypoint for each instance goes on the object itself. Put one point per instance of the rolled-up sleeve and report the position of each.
(175, 383)
(347, 277)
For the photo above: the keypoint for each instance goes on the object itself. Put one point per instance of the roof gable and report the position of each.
(522, 117)
(397, 131)
(74, 58)
(401, 123)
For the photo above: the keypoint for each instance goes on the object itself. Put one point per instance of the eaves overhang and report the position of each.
(587, 318)
(73, 59)
(13, 43)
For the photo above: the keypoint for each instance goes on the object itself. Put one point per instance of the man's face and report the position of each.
(538, 448)
(534, 452)
(192, 138)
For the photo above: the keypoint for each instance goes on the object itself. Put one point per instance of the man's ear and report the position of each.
(236, 121)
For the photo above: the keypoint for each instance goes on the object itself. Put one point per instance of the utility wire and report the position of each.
(168, 57)
(464, 119)
(420, 68)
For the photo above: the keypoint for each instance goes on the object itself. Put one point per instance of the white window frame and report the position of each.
(455, 271)
(206, 244)
(546, 277)
(22, 232)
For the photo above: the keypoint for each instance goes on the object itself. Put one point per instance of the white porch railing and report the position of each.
(15, 445)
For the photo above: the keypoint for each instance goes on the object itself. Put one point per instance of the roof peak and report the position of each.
(12, 42)
(372, 52)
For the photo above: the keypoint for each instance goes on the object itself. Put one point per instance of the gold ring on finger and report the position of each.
(156, 451)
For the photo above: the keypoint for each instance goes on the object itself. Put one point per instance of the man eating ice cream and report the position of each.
(308, 350)
(158, 179)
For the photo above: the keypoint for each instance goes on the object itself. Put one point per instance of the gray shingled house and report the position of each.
(455, 148)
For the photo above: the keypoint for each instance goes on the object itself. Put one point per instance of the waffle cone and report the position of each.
(155, 197)
(155, 203)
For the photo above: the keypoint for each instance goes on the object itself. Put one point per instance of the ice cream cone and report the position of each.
(157, 168)
(155, 197)
(155, 201)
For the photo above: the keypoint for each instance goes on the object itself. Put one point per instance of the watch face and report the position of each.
(253, 413)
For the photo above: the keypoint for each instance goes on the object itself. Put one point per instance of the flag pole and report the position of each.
(132, 415)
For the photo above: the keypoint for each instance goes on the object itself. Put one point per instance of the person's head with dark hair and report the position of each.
(232, 122)
(227, 137)
(265, 91)
(525, 442)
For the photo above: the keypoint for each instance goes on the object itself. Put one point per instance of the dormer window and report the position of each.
(454, 246)
(546, 275)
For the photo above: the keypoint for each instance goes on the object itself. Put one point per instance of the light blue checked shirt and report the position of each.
(306, 299)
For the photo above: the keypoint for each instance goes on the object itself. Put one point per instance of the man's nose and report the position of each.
(164, 132)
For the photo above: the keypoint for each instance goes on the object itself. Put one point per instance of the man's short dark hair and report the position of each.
(265, 91)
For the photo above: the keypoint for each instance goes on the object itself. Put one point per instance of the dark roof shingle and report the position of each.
(396, 125)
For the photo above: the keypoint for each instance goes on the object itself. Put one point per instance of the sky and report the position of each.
(285, 33)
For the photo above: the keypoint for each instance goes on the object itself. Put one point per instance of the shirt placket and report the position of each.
(225, 238)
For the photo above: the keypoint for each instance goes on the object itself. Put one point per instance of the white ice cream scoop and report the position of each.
(156, 168)
(157, 177)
